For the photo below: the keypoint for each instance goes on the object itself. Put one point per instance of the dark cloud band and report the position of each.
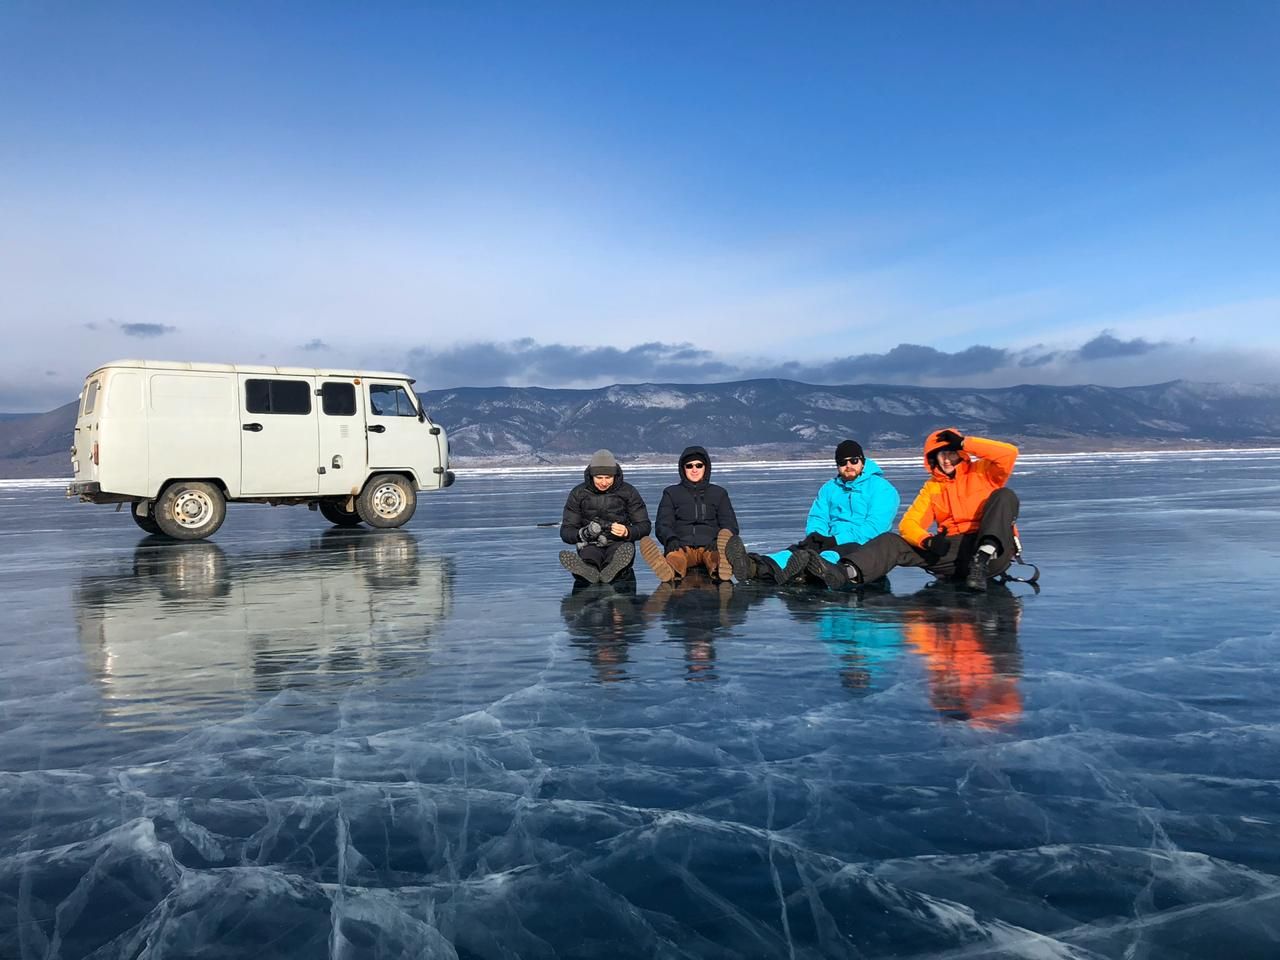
(526, 362)
(146, 329)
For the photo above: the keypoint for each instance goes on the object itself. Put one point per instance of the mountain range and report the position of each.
(778, 419)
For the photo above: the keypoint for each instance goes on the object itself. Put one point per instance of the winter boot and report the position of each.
(835, 575)
(734, 561)
(796, 565)
(976, 579)
(570, 560)
(652, 554)
(621, 559)
(678, 560)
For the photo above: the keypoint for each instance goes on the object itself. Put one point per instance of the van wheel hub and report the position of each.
(192, 508)
(388, 501)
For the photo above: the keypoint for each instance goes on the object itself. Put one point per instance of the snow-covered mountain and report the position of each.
(780, 418)
(787, 418)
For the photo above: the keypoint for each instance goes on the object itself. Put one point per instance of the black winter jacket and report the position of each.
(621, 503)
(691, 514)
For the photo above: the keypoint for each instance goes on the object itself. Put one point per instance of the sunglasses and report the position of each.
(694, 465)
(841, 463)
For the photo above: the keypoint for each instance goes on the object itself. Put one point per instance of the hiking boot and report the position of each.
(976, 578)
(570, 560)
(832, 574)
(652, 554)
(734, 552)
(724, 568)
(622, 558)
(678, 559)
(796, 565)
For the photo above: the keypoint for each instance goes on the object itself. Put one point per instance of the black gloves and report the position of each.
(593, 532)
(935, 547)
(953, 440)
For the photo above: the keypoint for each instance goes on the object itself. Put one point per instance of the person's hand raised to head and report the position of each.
(953, 440)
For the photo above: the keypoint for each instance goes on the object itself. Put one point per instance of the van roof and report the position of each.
(252, 368)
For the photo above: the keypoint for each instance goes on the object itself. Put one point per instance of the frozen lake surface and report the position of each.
(293, 741)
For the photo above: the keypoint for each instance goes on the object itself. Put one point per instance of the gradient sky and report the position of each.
(573, 194)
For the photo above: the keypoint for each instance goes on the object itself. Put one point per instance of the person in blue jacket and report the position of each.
(858, 503)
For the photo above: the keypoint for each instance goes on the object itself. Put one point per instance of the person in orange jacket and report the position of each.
(960, 526)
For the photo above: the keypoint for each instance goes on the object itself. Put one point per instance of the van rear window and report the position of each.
(277, 396)
(338, 399)
(90, 396)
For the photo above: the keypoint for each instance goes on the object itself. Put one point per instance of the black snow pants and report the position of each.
(881, 554)
(599, 556)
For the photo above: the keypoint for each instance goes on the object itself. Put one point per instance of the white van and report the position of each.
(179, 440)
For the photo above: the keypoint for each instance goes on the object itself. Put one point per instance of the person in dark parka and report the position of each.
(603, 518)
(695, 521)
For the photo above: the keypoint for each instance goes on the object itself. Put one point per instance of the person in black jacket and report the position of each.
(603, 517)
(695, 521)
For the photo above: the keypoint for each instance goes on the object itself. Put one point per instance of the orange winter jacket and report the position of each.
(956, 502)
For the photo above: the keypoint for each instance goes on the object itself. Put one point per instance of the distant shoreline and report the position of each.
(741, 456)
(894, 457)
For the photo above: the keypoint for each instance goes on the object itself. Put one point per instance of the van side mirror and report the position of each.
(422, 416)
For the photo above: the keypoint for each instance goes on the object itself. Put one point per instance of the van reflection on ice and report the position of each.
(188, 629)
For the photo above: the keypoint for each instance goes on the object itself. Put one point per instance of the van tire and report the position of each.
(190, 510)
(338, 514)
(147, 523)
(387, 500)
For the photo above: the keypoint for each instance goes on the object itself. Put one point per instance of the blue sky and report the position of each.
(574, 194)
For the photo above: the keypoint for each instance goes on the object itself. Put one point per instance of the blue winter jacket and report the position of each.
(854, 512)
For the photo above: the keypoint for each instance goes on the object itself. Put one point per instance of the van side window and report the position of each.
(388, 400)
(90, 396)
(277, 396)
(338, 399)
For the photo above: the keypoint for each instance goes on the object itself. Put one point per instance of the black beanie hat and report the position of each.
(848, 448)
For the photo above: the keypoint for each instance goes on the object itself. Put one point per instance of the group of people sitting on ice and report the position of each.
(959, 527)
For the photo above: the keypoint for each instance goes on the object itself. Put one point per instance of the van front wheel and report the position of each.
(190, 510)
(387, 500)
(338, 514)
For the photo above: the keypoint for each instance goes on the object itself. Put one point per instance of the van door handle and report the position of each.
(377, 428)
(252, 427)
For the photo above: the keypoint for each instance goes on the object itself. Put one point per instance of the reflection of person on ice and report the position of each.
(969, 643)
(960, 526)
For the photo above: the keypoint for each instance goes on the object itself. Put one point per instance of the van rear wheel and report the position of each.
(387, 500)
(336, 512)
(190, 510)
(147, 522)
